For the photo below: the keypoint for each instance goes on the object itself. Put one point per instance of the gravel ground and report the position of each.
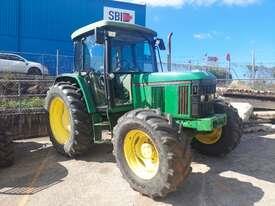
(42, 177)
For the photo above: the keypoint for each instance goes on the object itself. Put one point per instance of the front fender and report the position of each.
(82, 82)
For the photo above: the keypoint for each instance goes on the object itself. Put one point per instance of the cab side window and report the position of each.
(93, 57)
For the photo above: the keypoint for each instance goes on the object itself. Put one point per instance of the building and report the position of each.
(45, 26)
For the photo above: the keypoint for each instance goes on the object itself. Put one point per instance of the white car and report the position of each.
(14, 63)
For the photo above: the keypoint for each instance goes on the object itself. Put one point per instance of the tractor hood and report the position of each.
(172, 77)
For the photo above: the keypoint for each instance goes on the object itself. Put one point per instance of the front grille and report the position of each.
(183, 100)
(205, 108)
(158, 98)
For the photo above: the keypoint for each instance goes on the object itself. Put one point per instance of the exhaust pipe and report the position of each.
(169, 56)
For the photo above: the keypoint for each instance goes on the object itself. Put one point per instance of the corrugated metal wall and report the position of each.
(43, 26)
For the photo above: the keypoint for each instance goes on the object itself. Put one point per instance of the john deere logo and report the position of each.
(115, 14)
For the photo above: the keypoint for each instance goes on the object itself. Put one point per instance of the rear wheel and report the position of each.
(221, 141)
(6, 150)
(69, 125)
(151, 153)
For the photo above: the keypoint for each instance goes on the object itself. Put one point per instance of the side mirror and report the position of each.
(160, 44)
(99, 36)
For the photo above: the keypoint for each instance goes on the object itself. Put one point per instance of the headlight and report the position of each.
(202, 98)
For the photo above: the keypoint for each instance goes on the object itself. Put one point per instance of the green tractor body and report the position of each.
(118, 86)
(187, 97)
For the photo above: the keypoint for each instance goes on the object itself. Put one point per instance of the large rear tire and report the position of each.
(221, 141)
(69, 122)
(6, 150)
(151, 152)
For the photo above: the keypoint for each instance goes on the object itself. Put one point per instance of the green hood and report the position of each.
(172, 76)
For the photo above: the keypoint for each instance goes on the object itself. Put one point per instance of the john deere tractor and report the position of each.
(153, 116)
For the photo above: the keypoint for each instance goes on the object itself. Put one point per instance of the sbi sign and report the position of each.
(122, 15)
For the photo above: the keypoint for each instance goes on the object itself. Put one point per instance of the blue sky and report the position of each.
(215, 27)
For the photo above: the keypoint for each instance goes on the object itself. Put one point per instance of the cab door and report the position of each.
(93, 64)
(123, 67)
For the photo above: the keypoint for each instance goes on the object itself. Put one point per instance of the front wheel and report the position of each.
(69, 122)
(221, 141)
(150, 152)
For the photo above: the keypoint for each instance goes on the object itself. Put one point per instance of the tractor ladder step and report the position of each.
(102, 124)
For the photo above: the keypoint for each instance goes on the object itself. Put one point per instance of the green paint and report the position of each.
(84, 85)
(162, 90)
(205, 124)
(171, 77)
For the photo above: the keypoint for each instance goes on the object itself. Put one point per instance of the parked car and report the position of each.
(17, 64)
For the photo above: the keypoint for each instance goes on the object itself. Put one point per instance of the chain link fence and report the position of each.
(18, 95)
(35, 63)
(21, 91)
(236, 70)
(243, 76)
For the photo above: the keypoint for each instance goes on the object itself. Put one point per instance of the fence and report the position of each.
(48, 64)
(249, 85)
(26, 94)
(225, 70)
(23, 94)
(58, 64)
(26, 91)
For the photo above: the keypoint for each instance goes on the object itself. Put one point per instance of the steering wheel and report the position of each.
(101, 80)
(122, 64)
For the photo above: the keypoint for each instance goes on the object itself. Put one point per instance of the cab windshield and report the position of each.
(129, 53)
(132, 52)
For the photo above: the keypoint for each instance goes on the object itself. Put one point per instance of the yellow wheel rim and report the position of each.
(141, 154)
(210, 138)
(60, 120)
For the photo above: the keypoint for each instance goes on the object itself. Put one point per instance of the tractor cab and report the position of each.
(110, 53)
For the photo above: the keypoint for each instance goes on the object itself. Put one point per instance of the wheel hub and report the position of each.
(60, 120)
(210, 138)
(141, 154)
(147, 150)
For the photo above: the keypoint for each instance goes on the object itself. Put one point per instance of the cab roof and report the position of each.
(112, 25)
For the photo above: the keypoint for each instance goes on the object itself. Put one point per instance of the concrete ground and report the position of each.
(42, 177)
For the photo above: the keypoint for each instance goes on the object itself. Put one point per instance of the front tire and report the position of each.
(69, 122)
(224, 140)
(151, 153)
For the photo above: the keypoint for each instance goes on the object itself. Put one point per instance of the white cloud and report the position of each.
(180, 3)
(240, 2)
(202, 36)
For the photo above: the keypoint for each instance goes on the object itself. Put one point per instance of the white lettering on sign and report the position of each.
(122, 15)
